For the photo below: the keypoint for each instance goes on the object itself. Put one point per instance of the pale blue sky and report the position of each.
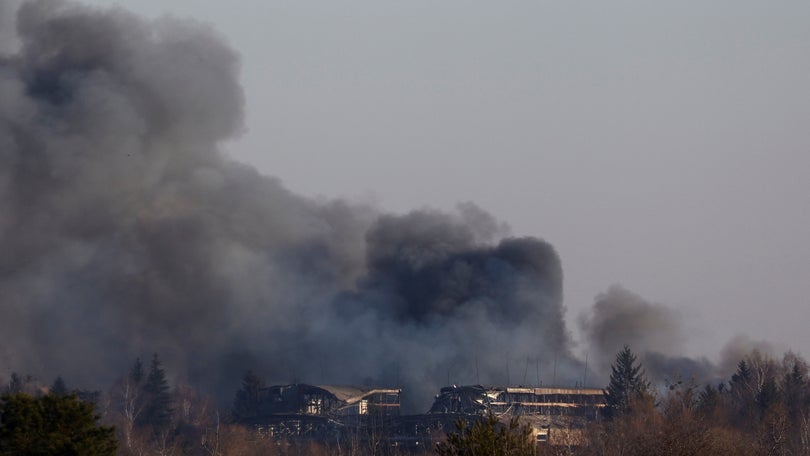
(661, 145)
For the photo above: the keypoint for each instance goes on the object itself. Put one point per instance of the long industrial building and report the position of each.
(330, 412)
(552, 413)
(519, 401)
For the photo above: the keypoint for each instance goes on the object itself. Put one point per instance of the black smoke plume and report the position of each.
(655, 332)
(125, 231)
(620, 317)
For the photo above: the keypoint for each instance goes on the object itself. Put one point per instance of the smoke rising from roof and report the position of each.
(125, 231)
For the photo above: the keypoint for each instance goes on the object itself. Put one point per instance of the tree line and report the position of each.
(763, 408)
(141, 414)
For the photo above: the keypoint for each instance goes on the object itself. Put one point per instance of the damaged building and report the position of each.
(552, 413)
(339, 413)
(519, 401)
(328, 401)
(301, 410)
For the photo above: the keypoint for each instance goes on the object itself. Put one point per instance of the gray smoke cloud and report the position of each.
(125, 231)
(456, 302)
(620, 317)
(655, 333)
(8, 39)
(742, 346)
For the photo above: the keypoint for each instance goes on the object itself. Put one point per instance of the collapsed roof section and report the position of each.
(328, 401)
(335, 413)
(519, 401)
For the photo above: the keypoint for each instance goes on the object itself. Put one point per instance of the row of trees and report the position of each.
(762, 409)
(140, 406)
(143, 406)
(52, 424)
(489, 437)
(146, 416)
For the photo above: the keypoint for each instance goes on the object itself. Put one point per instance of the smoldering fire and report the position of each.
(125, 230)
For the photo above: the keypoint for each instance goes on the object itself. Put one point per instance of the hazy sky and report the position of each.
(660, 145)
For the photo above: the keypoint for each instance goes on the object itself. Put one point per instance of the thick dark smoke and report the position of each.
(655, 332)
(620, 317)
(124, 231)
(8, 39)
(452, 302)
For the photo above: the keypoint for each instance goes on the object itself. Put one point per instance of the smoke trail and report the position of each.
(740, 347)
(620, 317)
(125, 231)
(654, 331)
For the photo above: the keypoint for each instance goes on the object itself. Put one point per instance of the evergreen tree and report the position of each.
(743, 392)
(59, 388)
(742, 379)
(136, 373)
(628, 384)
(710, 402)
(486, 436)
(246, 402)
(768, 395)
(17, 383)
(796, 392)
(158, 400)
(133, 398)
(52, 425)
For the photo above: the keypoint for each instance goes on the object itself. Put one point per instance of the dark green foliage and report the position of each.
(709, 402)
(14, 384)
(246, 402)
(90, 396)
(17, 384)
(486, 437)
(157, 410)
(742, 381)
(742, 378)
(136, 373)
(795, 380)
(52, 425)
(59, 388)
(133, 399)
(628, 384)
(768, 395)
(743, 394)
(795, 391)
(763, 409)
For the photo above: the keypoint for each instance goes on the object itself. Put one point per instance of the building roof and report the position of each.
(352, 394)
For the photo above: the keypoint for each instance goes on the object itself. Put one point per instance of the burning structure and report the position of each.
(552, 413)
(122, 217)
(338, 413)
(519, 401)
(134, 223)
(319, 412)
(328, 401)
